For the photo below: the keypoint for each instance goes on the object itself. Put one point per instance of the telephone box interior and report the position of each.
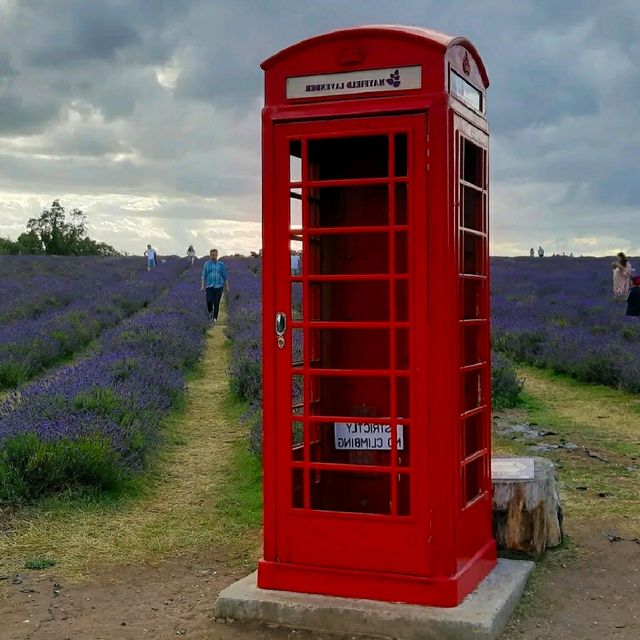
(376, 340)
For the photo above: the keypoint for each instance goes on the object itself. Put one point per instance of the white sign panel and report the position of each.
(350, 82)
(366, 436)
(512, 469)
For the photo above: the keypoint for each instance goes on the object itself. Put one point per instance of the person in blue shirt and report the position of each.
(214, 282)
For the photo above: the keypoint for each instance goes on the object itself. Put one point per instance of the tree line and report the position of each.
(52, 233)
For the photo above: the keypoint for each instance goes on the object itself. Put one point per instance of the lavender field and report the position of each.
(94, 421)
(559, 313)
(94, 353)
(555, 313)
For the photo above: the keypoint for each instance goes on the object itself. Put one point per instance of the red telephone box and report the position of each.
(376, 343)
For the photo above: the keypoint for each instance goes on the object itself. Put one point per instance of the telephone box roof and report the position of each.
(435, 39)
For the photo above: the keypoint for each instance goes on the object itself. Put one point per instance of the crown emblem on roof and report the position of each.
(466, 65)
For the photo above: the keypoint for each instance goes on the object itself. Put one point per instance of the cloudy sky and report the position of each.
(146, 114)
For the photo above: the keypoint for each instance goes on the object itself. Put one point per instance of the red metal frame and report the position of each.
(392, 334)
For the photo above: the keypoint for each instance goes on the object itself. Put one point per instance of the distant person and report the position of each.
(532, 252)
(540, 252)
(633, 299)
(191, 254)
(152, 257)
(621, 274)
(214, 282)
(295, 264)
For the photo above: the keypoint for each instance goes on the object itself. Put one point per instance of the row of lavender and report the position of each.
(95, 422)
(70, 302)
(243, 328)
(31, 285)
(559, 313)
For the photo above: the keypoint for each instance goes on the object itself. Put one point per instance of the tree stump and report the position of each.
(527, 514)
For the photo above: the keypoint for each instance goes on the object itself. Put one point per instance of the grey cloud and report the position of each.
(87, 142)
(82, 31)
(17, 116)
(6, 68)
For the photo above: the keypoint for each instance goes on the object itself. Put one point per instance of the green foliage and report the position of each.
(505, 384)
(8, 247)
(37, 564)
(52, 233)
(100, 400)
(13, 373)
(31, 468)
(30, 242)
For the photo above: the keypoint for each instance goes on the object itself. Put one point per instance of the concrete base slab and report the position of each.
(481, 616)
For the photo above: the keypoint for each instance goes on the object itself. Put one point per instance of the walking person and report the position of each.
(621, 274)
(214, 282)
(633, 299)
(151, 257)
(191, 254)
(295, 264)
(540, 252)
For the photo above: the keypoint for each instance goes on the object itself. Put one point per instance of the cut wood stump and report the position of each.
(527, 514)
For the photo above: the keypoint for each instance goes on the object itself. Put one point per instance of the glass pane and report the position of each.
(402, 349)
(350, 396)
(472, 345)
(472, 303)
(361, 157)
(471, 254)
(403, 405)
(297, 488)
(362, 206)
(363, 253)
(474, 479)
(297, 347)
(402, 301)
(471, 390)
(296, 300)
(295, 253)
(349, 301)
(472, 217)
(465, 91)
(297, 394)
(295, 161)
(473, 440)
(401, 154)
(295, 208)
(351, 348)
(472, 164)
(401, 204)
(351, 492)
(297, 441)
(402, 252)
(404, 495)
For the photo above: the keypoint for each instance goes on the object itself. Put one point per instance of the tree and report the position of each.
(29, 242)
(53, 234)
(8, 247)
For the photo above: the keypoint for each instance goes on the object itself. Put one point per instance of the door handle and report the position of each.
(281, 327)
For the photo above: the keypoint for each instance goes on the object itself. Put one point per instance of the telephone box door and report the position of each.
(351, 441)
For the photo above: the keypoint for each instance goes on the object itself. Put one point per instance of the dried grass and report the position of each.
(597, 419)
